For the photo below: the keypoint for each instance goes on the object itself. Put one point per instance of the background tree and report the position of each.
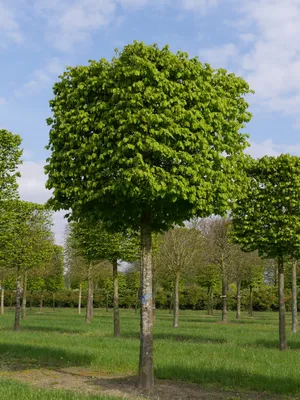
(26, 240)
(267, 217)
(10, 158)
(54, 277)
(177, 255)
(139, 143)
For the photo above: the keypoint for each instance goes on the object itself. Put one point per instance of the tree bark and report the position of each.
(116, 300)
(88, 317)
(18, 302)
(24, 295)
(176, 302)
(294, 297)
(224, 300)
(106, 302)
(79, 299)
(30, 302)
(238, 300)
(2, 301)
(42, 301)
(146, 379)
(171, 303)
(210, 301)
(281, 301)
(250, 301)
(53, 301)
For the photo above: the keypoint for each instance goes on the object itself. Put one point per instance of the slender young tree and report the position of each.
(177, 255)
(267, 217)
(145, 141)
(26, 240)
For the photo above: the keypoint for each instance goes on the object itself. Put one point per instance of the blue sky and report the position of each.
(256, 39)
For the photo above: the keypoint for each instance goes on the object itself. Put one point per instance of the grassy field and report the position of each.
(239, 355)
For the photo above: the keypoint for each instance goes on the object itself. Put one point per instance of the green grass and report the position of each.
(241, 355)
(10, 390)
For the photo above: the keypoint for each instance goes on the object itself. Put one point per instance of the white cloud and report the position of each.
(32, 188)
(72, 22)
(272, 64)
(198, 5)
(9, 27)
(219, 56)
(269, 148)
(42, 78)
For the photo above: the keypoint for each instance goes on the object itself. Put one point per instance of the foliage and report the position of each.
(149, 132)
(10, 154)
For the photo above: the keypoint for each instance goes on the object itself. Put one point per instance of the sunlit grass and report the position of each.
(241, 355)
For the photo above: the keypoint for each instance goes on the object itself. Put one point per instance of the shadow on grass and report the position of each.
(44, 329)
(177, 337)
(231, 379)
(274, 344)
(17, 357)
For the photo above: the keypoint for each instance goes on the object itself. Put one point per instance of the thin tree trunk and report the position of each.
(2, 301)
(212, 301)
(30, 302)
(53, 301)
(79, 299)
(136, 301)
(171, 303)
(146, 380)
(224, 299)
(88, 317)
(42, 301)
(106, 302)
(238, 300)
(18, 302)
(116, 300)
(281, 301)
(24, 298)
(11, 301)
(250, 301)
(210, 304)
(294, 297)
(176, 302)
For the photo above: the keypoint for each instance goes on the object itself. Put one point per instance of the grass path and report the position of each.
(237, 357)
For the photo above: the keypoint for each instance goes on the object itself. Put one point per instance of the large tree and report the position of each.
(267, 217)
(145, 141)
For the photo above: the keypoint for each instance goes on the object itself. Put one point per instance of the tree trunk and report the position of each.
(171, 303)
(30, 302)
(18, 302)
(42, 301)
(116, 300)
(24, 298)
(53, 301)
(294, 297)
(224, 300)
(136, 301)
(88, 317)
(250, 301)
(2, 301)
(106, 302)
(11, 301)
(210, 300)
(146, 380)
(281, 301)
(176, 302)
(79, 299)
(238, 300)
